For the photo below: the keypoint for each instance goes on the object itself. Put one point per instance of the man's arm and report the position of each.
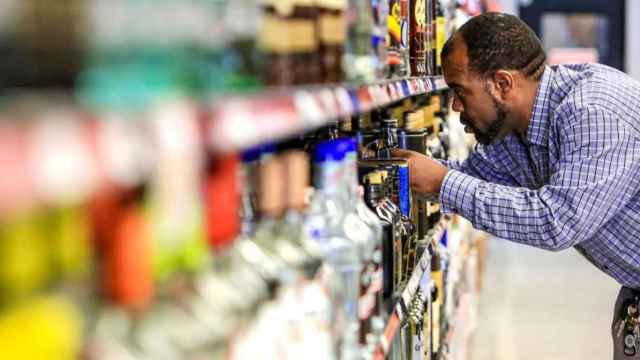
(599, 173)
(481, 164)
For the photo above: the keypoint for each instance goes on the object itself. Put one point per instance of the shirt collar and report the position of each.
(538, 129)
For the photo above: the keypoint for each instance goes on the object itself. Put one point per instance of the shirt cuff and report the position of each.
(457, 194)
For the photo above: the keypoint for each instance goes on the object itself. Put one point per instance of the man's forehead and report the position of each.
(456, 63)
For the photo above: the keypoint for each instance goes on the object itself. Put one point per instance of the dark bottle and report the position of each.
(398, 45)
(289, 41)
(440, 34)
(376, 198)
(389, 136)
(414, 137)
(437, 298)
(417, 52)
(433, 39)
(331, 30)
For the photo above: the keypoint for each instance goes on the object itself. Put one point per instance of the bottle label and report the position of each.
(418, 352)
(404, 190)
(333, 30)
(394, 23)
(355, 229)
(329, 176)
(282, 36)
(440, 38)
(404, 24)
(420, 14)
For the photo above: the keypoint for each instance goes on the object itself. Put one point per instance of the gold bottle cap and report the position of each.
(374, 178)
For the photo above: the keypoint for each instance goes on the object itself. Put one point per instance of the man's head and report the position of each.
(493, 64)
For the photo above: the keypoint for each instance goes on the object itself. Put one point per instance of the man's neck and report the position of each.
(524, 112)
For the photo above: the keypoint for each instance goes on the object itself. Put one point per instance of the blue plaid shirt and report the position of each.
(572, 181)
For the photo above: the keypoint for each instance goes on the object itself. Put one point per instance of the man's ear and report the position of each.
(504, 82)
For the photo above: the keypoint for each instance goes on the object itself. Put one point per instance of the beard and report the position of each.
(497, 129)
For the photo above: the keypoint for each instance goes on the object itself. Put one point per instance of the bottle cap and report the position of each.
(374, 178)
(330, 150)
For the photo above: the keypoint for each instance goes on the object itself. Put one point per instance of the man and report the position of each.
(558, 159)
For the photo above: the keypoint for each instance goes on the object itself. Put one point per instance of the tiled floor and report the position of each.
(540, 305)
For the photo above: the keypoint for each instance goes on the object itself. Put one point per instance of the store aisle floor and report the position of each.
(540, 305)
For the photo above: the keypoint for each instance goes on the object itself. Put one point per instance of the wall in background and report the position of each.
(632, 35)
(632, 62)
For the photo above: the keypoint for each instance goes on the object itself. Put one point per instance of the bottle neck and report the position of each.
(373, 194)
(351, 174)
(329, 177)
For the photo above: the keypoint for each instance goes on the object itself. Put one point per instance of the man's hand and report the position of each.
(426, 174)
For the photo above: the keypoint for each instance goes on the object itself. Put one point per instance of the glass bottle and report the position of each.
(380, 9)
(417, 37)
(331, 30)
(372, 324)
(398, 38)
(340, 234)
(376, 199)
(360, 56)
(289, 40)
(440, 34)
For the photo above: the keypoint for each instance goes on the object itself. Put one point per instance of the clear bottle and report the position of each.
(380, 9)
(372, 322)
(340, 234)
(360, 57)
(276, 253)
(398, 38)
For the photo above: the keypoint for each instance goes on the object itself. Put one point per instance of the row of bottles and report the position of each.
(301, 248)
(127, 54)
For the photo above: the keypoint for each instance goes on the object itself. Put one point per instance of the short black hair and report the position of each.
(500, 41)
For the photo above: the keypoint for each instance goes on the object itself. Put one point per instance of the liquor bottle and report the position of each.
(375, 197)
(371, 278)
(278, 256)
(433, 38)
(331, 30)
(289, 40)
(360, 58)
(437, 299)
(380, 9)
(296, 179)
(340, 235)
(398, 38)
(388, 137)
(440, 34)
(413, 137)
(417, 37)
(242, 64)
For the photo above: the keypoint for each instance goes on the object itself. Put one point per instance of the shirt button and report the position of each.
(605, 267)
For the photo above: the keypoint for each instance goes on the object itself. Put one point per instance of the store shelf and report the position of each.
(409, 292)
(240, 123)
